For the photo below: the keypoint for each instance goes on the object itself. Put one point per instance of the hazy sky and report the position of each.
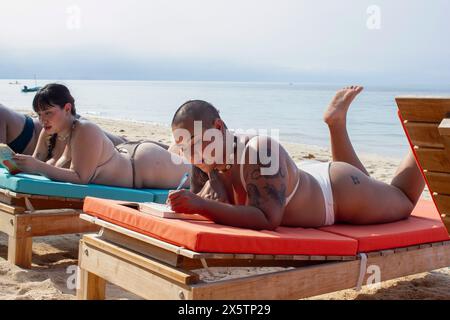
(263, 40)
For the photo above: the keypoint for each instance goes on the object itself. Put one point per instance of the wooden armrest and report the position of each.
(444, 127)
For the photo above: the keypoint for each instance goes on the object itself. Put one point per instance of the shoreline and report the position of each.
(163, 129)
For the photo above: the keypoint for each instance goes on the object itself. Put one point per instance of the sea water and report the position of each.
(295, 109)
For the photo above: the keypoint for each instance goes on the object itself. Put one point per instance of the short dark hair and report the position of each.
(51, 95)
(196, 110)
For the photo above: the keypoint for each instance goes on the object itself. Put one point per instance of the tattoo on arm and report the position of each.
(256, 174)
(254, 195)
(262, 188)
(355, 180)
(278, 195)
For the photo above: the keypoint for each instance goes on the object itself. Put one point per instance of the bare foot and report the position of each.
(336, 112)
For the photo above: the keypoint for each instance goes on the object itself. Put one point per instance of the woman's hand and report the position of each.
(184, 201)
(27, 164)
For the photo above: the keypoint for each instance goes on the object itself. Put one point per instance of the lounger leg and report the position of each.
(20, 251)
(92, 287)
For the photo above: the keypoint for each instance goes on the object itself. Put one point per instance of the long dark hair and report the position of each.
(53, 95)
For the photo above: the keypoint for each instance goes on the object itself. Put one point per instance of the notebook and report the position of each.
(163, 211)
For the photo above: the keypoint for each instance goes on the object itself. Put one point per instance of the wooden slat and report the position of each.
(169, 272)
(39, 201)
(398, 250)
(11, 208)
(444, 127)
(423, 109)
(132, 277)
(7, 223)
(244, 256)
(437, 244)
(446, 220)
(208, 255)
(51, 222)
(6, 199)
(443, 203)
(433, 159)
(141, 247)
(328, 277)
(150, 244)
(142, 237)
(18, 195)
(424, 134)
(212, 259)
(190, 264)
(438, 182)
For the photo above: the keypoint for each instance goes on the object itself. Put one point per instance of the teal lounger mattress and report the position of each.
(39, 185)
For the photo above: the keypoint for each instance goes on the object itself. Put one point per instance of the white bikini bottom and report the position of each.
(321, 172)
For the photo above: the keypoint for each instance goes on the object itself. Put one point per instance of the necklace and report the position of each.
(65, 137)
(228, 166)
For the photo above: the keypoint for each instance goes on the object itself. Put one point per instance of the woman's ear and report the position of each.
(219, 125)
(68, 107)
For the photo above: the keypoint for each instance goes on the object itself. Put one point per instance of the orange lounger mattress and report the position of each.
(206, 236)
(424, 226)
(342, 240)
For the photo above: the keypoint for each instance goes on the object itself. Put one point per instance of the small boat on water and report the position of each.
(33, 89)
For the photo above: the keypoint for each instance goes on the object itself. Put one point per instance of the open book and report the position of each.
(163, 211)
(6, 160)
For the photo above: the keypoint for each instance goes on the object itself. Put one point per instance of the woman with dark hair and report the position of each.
(21, 132)
(75, 150)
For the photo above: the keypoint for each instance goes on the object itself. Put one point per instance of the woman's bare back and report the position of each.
(154, 167)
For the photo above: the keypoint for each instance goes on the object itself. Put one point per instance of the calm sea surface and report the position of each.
(294, 108)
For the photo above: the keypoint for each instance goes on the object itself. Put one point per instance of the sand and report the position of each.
(54, 258)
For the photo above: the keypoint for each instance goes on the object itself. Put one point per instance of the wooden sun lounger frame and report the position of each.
(427, 120)
(24, 216)
(154, 269)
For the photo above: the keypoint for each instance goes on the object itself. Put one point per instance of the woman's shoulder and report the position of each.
(86, 125)
(6, 112)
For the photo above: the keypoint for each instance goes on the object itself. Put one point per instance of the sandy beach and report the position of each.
(48, 277)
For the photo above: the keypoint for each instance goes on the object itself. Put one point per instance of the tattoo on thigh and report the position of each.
(355, 180)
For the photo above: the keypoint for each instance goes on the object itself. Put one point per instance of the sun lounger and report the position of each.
(32, 206)
(426, 122)
(154, 257)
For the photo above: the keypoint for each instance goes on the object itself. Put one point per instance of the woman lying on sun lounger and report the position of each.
(314, 195)
(21, 132)
(75, 150)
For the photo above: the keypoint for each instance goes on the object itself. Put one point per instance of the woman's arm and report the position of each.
(41, 150)
(86, 149)
(249, 217)
(264, 209)
(3, 131)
